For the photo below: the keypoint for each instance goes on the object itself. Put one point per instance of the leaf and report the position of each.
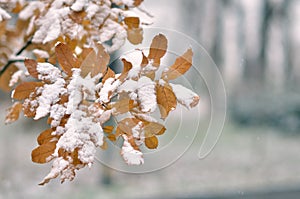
(132, 22)
(151, 142)
(135, 35)
(6, 77)
(122, 106)
(154, 128)
(181, 65)
(112, 137)
(31, 66)
(166, 99)
(125, 126)
(127, 66)
(136, 3)
(158, 48)
(13, 112)
(95, 62)
(145, 60)
(108, 129)
(109, 74)
(66, 58)
(24, 90)
(42, 153)
(46, 136)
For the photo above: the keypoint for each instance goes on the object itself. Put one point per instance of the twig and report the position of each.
(9, 62)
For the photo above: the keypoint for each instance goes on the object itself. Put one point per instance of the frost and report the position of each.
(131, 155)
(185, 96)
(146, 94)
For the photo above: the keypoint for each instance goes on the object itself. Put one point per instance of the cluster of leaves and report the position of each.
(85, 93)
(39, 25)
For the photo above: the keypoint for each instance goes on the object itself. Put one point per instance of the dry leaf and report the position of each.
(95, 62)
(66, 58)
(166, 99)
(132, 22)
(154, 128)
(6, 77)
(31, 67)
(135, 35)
(46, 136)
(108, 129)
(109, 74)
(181, 65)
(13, 112)
(122, 106)
(158, 48)
(24, 90)
(127, 66)
(42, 153)
(145, 61)
(151, 142)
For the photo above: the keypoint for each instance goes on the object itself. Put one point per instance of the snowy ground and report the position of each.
(244, 160)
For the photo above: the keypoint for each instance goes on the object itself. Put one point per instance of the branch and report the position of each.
(9, 62)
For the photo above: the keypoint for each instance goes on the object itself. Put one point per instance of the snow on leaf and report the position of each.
(185, 96)
(109, 87)
(109, 74)
(181, 66)
(66, 58)
(48, 73)
(154, 128)
(146, 94)
(4, 15)
(166, 99)
(15, 78)
(130, 154)
(13, 113)
(45, 136)
(5, 78)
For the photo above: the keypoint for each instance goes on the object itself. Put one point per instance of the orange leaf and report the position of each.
(135, 35)
(31, 67)
(158, 47)
(109, 74)
(6, 77)
(154, 128)
(136, 3)
(181, 65)
(108, 129)
(46, 136)
(132, 22)
(127, 66)
(145, 61)
(24, 90)
(151, 142)
(42, 153)
(66, 58)
(13, 112)
(95, 63)
(112, 137)
(166, 99)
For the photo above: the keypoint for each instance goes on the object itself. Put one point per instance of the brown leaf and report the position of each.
(166, 99)
(104, 146)
(122, 106)
(24, 90)
(181, 65)
(95, 63)
(109, 74)
(125, 126)
(13, 112)
(132, 22)
(77, 17)
(112, 137)
(154, 128)
(135, 35)
(145, 60)
(46, 136)
(66, 58)
(6, 77)
(136, 3)
(108, 129)
(42, 153)
(127, 66)
(158, 47)
(31, 66)
(151, 142)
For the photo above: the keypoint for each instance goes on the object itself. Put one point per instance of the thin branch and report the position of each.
(9, 62)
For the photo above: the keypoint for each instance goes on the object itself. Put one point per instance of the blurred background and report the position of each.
(255, 45)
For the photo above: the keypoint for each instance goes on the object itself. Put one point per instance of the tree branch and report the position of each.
(9, 62)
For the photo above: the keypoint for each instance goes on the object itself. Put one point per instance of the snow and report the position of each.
(58, 166)
(4, 15)
(110, 86)
(145, 117)
(29, 10)
(128, 86)
(41, 53)
(15, 78)
(79, 5)
(134, 73)
(129, 3)
(185, 96)
(130, 155)
(146, 94)
(48, 72)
